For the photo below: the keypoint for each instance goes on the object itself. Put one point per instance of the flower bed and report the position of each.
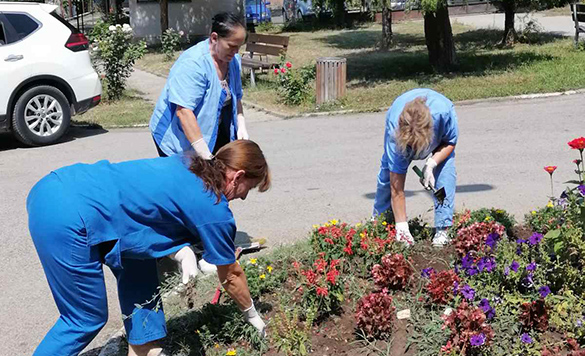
(499, 289)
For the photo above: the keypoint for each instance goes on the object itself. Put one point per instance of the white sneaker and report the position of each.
(441, 238)
(206, 267)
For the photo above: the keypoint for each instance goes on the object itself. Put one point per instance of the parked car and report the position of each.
(46, 73)
(299, 9)
(257, 11)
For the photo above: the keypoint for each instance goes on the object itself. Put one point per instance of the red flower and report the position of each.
(329, 241)
(578, 143)
(550, 169)
(288, 64)
(283, 70)
(275, 70)
(348, 250)
(322, 291)
(332, 275)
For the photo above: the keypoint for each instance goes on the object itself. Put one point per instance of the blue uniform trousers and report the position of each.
(74, 271)
(445, 175)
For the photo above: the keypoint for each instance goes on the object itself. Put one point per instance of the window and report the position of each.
(2, 35)
(23, 25)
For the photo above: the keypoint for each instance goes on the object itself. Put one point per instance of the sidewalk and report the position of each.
(560, 25)
(152, 85)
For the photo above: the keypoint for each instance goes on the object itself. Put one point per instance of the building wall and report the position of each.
(194, 17)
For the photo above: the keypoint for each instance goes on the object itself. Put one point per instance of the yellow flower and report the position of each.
(197, 331)
(327, 225)
(487, 218)
(262, 276)
(216, 346)
(533, 212)
(384, 223)
(550, 204)
(362, 234)
(499, 211)
(269, 268)
(231, 352)
(253, 261)
(315, 226)
(358, 224)
(334, 222)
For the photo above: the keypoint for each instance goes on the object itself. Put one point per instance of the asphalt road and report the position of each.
(323, 168)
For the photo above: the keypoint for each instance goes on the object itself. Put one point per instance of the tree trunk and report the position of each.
(164, 15)
(386, 27)
(339, 12)
(510, 35)
(439, 39)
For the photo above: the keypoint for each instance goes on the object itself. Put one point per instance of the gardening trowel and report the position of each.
(438, 193)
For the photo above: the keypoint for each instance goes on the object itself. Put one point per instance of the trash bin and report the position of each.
(331, 77)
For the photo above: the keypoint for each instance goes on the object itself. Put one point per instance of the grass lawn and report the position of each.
(376, 77)
(129, 110)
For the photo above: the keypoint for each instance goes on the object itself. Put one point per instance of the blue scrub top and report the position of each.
(445, 131)
(151, 207)
(193, 83)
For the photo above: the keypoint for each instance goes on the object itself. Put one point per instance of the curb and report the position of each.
(113, 346)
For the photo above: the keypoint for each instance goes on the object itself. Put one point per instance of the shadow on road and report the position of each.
(465, 188)
(8, 142)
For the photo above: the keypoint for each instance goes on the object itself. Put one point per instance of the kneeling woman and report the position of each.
(126, 215)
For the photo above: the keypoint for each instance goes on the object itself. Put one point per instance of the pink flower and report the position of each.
(288, 65)
(283, 70)
(275, 70)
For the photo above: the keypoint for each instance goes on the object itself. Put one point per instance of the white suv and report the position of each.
(46, 73)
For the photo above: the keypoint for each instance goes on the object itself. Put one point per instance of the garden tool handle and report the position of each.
(417, 171)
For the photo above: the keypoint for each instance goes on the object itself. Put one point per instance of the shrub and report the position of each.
(468, 329)
(295, 85)
(375, 314)
(394, 272)
(170, 40)
(262, 276)
(115, 54)
(474, 237)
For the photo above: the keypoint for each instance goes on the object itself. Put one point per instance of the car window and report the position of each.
(23, 25)
(2, 35)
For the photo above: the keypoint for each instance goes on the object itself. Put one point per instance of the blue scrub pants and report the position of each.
(74, 271)
(445, 176)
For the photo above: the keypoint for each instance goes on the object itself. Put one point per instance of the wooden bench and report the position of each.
(258, 48)
(578, 14)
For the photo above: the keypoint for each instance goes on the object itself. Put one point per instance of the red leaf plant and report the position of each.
(473, 237)
(394, 272)
(466, 322)
(441, 285)
(375, 314)
(534, 315)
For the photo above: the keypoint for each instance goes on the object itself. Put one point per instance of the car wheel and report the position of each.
(41, 116)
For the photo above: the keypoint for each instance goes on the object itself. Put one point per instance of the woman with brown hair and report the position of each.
(125, 215)
(420, 123)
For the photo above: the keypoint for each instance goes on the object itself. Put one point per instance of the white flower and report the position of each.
(448, 311)
(112, 28)
(181, 33)
(118, 25)
(127, 28)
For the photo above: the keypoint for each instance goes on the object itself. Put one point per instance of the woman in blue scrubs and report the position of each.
(421, 123)
(126, 215)
(200, 107)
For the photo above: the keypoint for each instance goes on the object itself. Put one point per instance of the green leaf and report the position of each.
(558, 247)
(553, 234)
(583, 214)
(572, 182)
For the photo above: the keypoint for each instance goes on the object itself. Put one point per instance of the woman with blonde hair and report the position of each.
(421, 123)
(126, 215)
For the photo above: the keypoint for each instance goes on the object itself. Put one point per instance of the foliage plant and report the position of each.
(262, 276)
(394, 272)
(114, 55)
(375, 314)
(170, 41)
(291, 336)
(296, 85)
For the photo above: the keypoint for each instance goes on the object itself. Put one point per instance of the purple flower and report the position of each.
(535, 238)
(531, 266)
(506, 271)
(581, 189)
(519, 250)
(490, 264)
(426, 273)
(526, 338)
(481, 264)
(485, 306)
(492, 240)
(520, 241)
(472, 271)
(528, 280)
(455, 287)
(477, 339)
(468, 292)
(514, 266)
(467, 261)
(544, 291)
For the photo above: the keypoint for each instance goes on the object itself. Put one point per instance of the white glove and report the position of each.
(201, 149)
(428, 179)
(252, 317)
(242, 131)
(403, 233)
(186, 257)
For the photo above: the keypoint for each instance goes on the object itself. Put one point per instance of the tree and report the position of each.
(438, 34)
(386, 22)
(164, 15)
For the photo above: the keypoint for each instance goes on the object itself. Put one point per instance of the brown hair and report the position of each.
(237, 155)
(415, 126)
